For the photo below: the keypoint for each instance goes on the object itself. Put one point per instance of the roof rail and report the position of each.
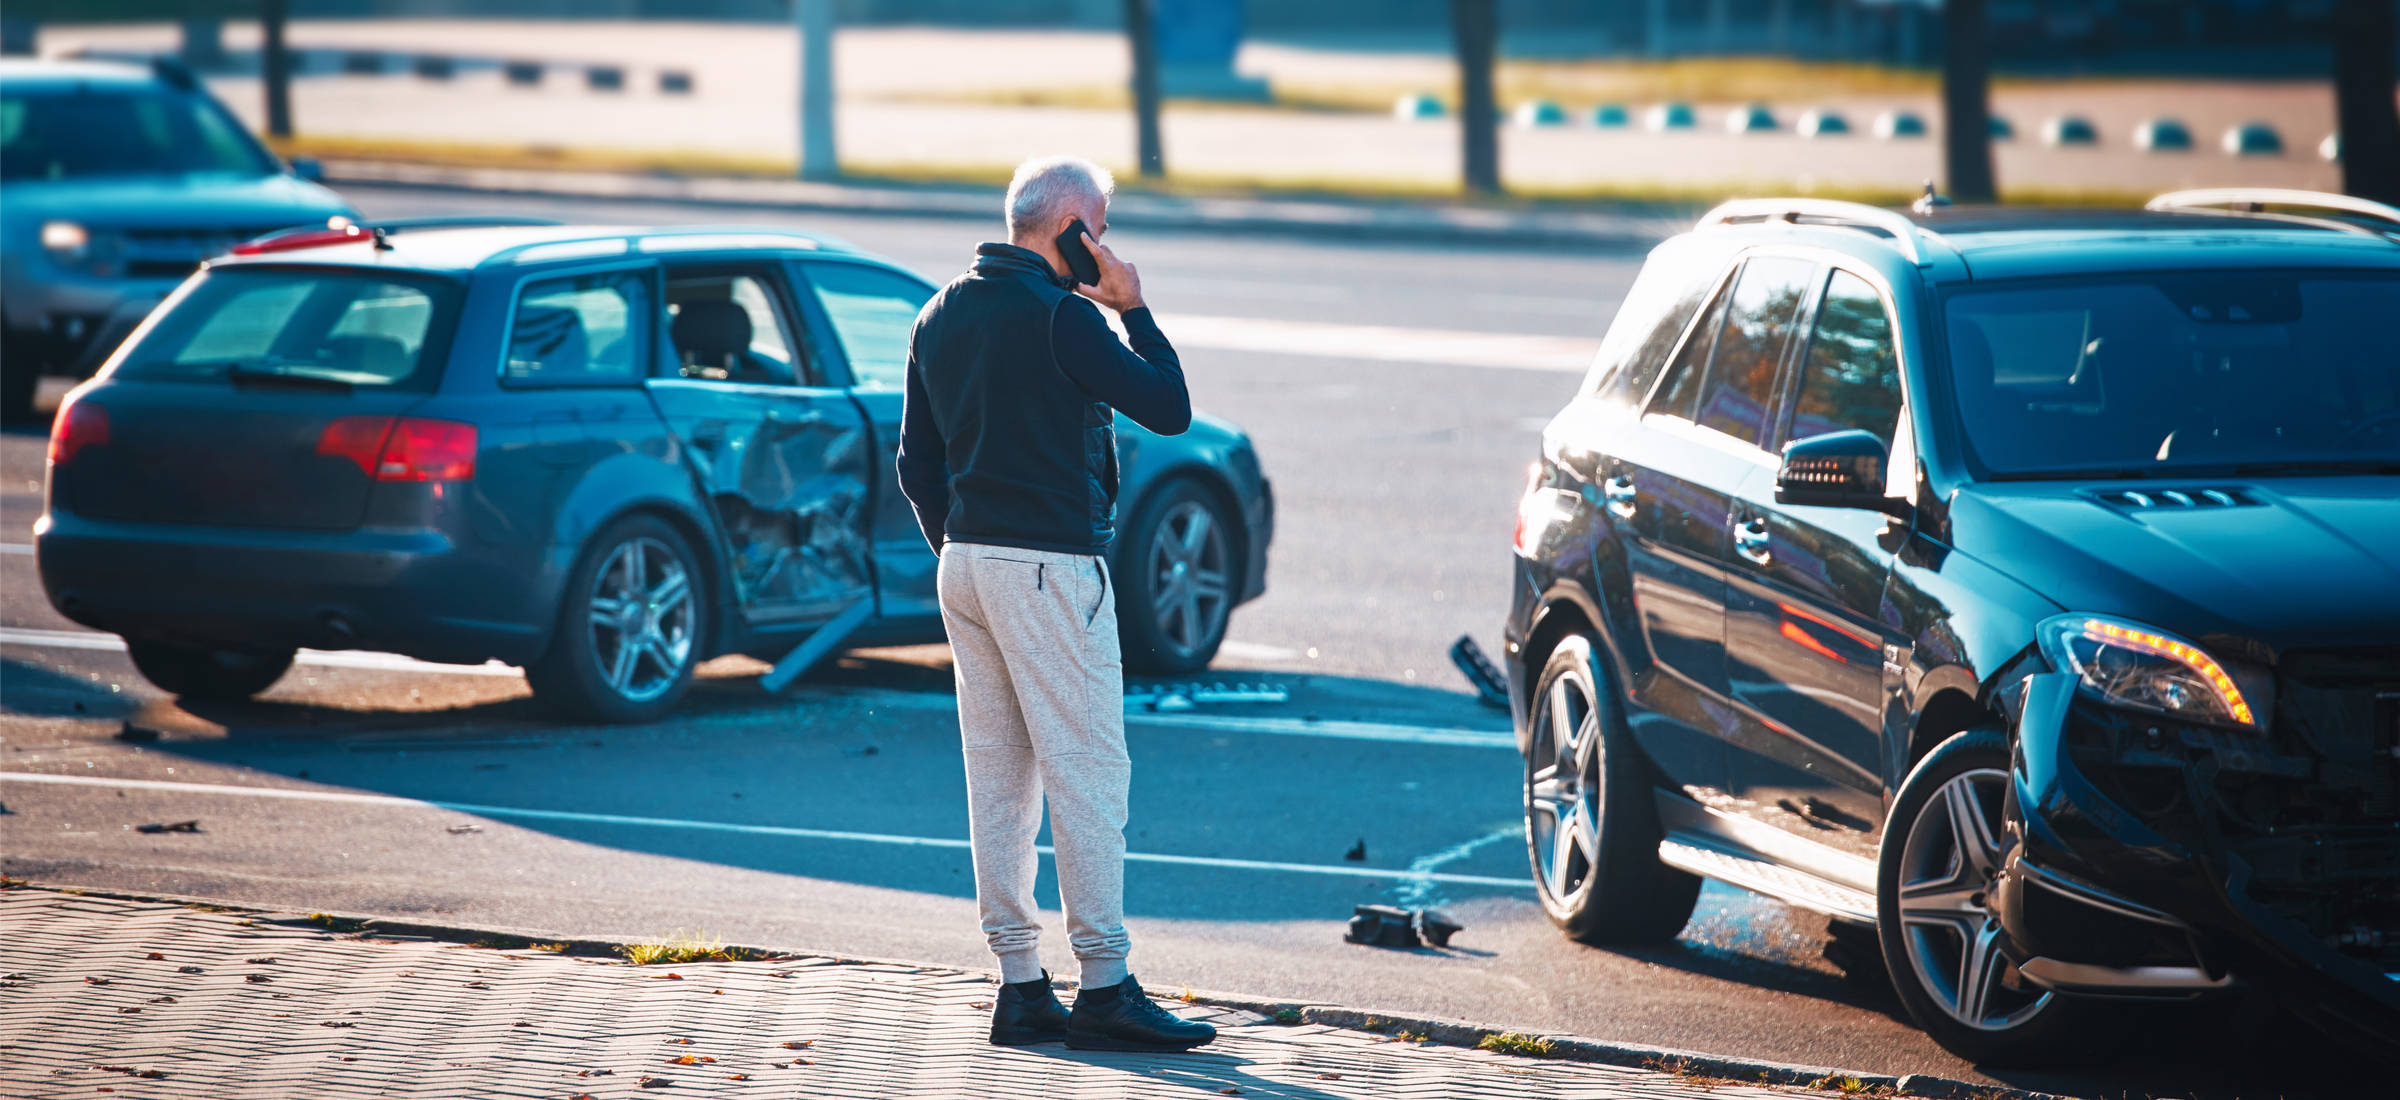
(2255, 200)
(1855, 215)
(342, 230)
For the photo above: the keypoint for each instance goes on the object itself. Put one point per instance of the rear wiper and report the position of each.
(243, 372)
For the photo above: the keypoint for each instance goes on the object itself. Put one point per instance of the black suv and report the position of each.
(601, 454)
(2020, 585)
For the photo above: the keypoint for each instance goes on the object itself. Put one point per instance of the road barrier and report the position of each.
(2162, 135)
(1539, 112)
(1822, 123)
(1899, 125)
(2064, 130)
(1670, 116)
(2253, 139)
(1753, 119)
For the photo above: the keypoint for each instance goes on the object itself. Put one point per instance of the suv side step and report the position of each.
(1714, 857)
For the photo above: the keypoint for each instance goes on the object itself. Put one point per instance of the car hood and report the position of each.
(175, 202)
(2297, 562)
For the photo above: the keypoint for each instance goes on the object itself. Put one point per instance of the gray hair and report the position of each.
(1046, 187)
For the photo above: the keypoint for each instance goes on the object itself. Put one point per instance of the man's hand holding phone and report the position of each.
(1120, 285)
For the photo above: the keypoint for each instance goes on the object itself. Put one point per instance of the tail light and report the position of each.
(80, 424)
(1525, 502)
(406, 448)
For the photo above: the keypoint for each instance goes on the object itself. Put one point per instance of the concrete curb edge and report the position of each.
(1389, 1024)
(1324, 219)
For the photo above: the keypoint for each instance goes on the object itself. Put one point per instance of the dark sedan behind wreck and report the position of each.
(604, 455)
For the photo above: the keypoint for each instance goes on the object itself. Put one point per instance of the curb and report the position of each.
(1566, 230)
(1391, 1024)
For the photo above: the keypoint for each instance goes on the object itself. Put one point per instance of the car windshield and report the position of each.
(333, 329)
(2178, 374)
(85, 133)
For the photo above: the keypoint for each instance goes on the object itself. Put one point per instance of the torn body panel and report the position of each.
(786, 470)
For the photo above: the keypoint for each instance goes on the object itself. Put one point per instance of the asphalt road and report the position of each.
(831, 821)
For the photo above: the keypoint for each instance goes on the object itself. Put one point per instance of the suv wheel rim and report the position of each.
(1562, 790)
(1188, 589)
(641, 619)
(1948, 868)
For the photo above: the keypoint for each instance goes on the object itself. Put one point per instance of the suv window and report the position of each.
(1680, 394)
(580, 330)
(872, 311)
(1655, 311)
(1749, 352)
(729, 326)
(350, 328)
(80, 133)
(1851, 378)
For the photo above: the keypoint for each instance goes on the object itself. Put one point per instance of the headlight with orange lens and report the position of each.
(2132, 665)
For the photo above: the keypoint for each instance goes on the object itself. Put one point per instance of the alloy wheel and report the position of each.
(1950, 864)
(1562, 789)
(641, 619)
(1190, 591)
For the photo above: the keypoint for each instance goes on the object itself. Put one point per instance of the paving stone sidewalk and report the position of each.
(141, 999)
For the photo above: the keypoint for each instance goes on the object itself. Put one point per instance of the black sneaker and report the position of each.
(1027, 1013)
(1122, 1017)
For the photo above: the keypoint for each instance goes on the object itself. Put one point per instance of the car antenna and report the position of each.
(1927, 202)
(383, 238)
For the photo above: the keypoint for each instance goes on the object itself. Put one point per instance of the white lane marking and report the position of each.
(387, 662)
(16, 549)
(1224, 723)
(1407, 345)
(1417, 890)
(356, 799)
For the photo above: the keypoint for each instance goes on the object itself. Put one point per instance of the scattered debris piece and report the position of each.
(655, 1083)
(129, 1010)
(479, 985)
(1357, 852)
(670, 977)
(799, 1044)
(257, 979)
(190, 970)
(1179, 697)
(154, 955)
(130, 732)
(263, 960)
(134, 1071)
(337, 1023)
(679, 1042)
(1329, 1077)
(89, 980)
(601, 1072)
(162, 1000)
(1392, 926)
(171, 827)
(1490, 687)
(737, 1076)
(520, 1023)
(457, 830)
(979, 1006)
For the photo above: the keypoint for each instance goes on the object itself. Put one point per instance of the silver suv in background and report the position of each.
(115, 182)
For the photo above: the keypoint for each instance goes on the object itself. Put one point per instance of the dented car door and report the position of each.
(785, 464)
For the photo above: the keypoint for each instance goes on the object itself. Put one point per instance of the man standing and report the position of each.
(1008, 453)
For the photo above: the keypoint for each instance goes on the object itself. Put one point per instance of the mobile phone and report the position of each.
(1080, 263)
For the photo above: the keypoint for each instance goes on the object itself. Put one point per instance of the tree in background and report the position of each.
(2365, 33)
(1142, 33)
(275, 66)
(1476, 27)
(1966, 103)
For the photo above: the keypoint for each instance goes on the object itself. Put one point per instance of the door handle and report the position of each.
(1751, 539)
(1620, 493)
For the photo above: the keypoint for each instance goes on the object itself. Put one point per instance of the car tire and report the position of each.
(1940, 939)
(1179, 574)
(200, 672)
(637, 583)
(1600, 880)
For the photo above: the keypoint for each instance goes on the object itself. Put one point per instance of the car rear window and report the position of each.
(82, 133)
(338, 328)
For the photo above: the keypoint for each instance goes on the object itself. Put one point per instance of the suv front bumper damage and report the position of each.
(2174, 902)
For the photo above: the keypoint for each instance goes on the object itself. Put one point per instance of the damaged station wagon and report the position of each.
(2019, 588)
(601, 454)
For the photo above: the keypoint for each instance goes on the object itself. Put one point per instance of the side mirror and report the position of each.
(308, 168)
(1837, 470)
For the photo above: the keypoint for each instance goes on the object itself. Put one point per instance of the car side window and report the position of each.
(1660, 304)
(872, 311)
(1739, 398)
(580, 330)
(731, 326)
(1679, 394)
(1851, 378)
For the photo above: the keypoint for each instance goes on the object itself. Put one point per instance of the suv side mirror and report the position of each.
(1837, 470)
(308, 168)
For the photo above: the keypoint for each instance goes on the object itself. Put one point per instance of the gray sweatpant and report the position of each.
(1041, 711)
